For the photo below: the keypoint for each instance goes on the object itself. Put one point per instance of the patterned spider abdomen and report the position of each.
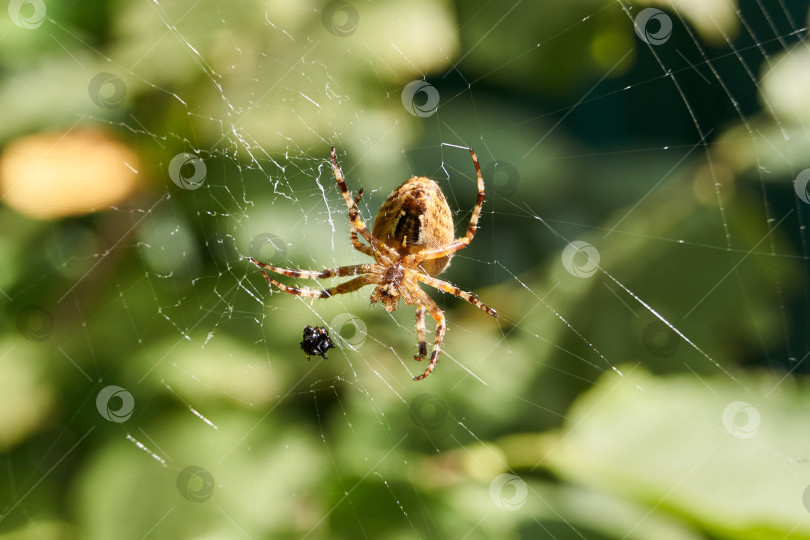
(416, 217)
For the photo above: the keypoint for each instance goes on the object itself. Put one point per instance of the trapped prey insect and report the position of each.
(411, 241)
(316, 341)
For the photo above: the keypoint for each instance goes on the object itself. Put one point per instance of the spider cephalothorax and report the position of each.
(388, 292)
(411, 241)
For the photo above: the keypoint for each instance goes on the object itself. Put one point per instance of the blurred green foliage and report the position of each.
(611, 422)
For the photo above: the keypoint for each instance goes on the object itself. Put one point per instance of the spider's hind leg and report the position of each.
(353, 270)
(441, 325)
(420, 332)
(347, 287)
(364, 272)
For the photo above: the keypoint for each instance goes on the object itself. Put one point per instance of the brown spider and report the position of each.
(412, 240)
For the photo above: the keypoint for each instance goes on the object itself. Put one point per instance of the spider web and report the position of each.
(643, 241)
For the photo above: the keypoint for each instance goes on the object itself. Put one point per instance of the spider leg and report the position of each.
(420, 332)
(464, 241)
(356, 223)
(455, 291)
(359, 246)
(438, 316)
(347, 287)
(354, 270)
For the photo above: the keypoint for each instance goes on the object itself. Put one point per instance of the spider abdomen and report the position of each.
(416, 217)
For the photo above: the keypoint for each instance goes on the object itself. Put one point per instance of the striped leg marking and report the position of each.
(356, 223)
(455, 291)
(349, 286)
(420, 332)
(438, 316)
(354, 270)
(358, 245)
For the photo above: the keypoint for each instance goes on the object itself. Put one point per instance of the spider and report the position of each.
(412, 240)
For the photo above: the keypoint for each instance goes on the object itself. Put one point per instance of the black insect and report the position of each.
(316, 341)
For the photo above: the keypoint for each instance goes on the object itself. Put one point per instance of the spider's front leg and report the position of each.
(356, 224)
(420, 332)
(358, 245)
